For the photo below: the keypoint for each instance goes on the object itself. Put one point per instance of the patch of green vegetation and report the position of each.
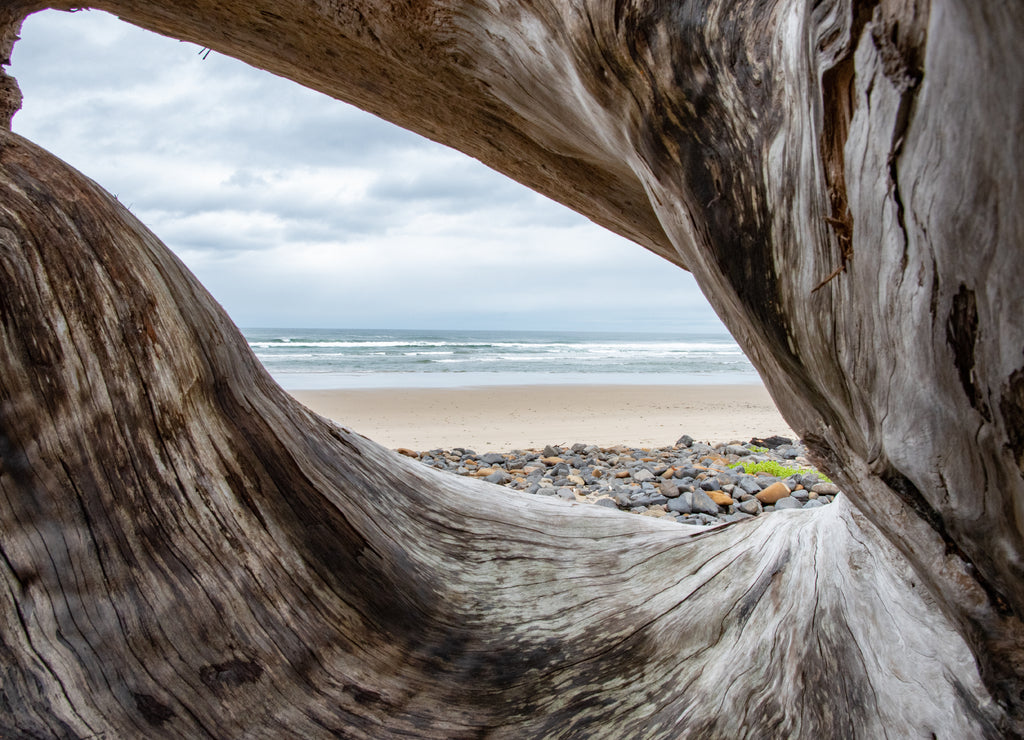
(758, 450)
(776, 469)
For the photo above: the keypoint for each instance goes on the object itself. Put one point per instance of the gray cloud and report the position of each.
(295, 209)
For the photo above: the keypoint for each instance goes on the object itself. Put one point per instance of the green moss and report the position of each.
(776, 469)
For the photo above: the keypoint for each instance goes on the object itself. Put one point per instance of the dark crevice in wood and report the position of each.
(757, 591)
(838, 93)
(962, 336)
(1011, 406)
(837, 86)
(230, 674)
(911, 495)
(152, 709)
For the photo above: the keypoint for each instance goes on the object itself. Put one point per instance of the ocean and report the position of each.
(310, 359)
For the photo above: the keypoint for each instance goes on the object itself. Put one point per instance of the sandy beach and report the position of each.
(510, 417)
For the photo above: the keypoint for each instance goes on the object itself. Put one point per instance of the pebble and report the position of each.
(690, 482)
(682, 505)
(703, 504)
(787, 503)
(773, 492)
(722, 499)
(750, 506)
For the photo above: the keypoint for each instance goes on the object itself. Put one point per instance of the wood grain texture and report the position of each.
(186, 551)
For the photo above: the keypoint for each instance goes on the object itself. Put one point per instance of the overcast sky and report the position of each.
(296, 210)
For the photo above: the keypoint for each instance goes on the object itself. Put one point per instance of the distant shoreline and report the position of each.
(326, 359)
(498, 418)
(302, 382)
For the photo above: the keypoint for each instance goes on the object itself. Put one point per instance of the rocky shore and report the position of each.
(691, 482)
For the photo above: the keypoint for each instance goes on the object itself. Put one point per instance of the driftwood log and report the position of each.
(187, 552)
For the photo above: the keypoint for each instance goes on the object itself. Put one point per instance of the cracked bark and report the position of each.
(188, 552)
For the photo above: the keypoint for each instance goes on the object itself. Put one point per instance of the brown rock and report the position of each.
(773, 493)
(551, 460)
(621, 473)
(721, 498)
(407, 452)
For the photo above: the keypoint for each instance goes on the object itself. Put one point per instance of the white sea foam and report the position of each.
(361, 358)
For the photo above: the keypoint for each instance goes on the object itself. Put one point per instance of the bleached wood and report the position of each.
(188, 552)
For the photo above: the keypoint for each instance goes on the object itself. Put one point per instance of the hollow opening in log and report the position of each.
(241, 221)
(186, 551)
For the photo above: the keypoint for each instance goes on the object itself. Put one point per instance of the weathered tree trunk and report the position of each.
(186, 551)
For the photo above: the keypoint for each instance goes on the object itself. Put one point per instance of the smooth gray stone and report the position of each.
(567, 494)
(749, 484)
(787, 503)
(814, 503)
(824, 487)
(607, 502)
(498, 476)
(751, 506)
(685, 441)
(669, 489)
(736, 517)
(703, 504)
(643, 475)
(493, 458)
(682, 504)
